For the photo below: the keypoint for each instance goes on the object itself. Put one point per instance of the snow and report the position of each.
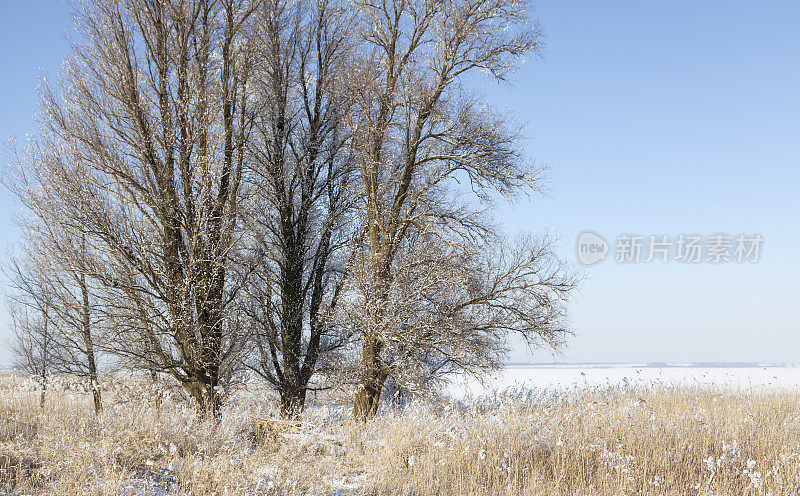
(569, 377)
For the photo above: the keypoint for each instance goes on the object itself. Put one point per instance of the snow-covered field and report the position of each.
(568, 377)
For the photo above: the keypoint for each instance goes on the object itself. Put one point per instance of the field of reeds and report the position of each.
(149, 441)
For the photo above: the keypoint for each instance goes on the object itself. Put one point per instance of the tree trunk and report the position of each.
(45, 358)
(365, 405)
(374, 370)
(96, 396)
(89, 346)
(208, 401)
(154, 381)
(292, 402)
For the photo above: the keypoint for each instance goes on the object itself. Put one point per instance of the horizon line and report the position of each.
(658, 364)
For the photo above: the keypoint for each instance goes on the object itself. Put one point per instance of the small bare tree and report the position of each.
(304, 174)
(32, 345)
(77, 325)
(417, 132)
(29, 301)
(52, 279)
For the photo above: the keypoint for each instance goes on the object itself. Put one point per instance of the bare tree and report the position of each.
(450, 306)
(77, 325)
(142, 151)
(51, 279)
(32, 345)
(417, 133)
(29, 302)
(304, 173)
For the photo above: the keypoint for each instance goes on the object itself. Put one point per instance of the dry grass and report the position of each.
(665, 441)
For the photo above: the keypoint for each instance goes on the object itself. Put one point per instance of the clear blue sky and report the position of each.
(655, 118)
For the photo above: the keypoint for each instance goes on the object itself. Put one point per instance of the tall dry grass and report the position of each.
(657, 441)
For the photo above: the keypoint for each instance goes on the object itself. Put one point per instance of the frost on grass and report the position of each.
(604, 441)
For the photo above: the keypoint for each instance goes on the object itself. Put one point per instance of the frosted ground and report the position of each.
(632, 434)
(582, 376)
